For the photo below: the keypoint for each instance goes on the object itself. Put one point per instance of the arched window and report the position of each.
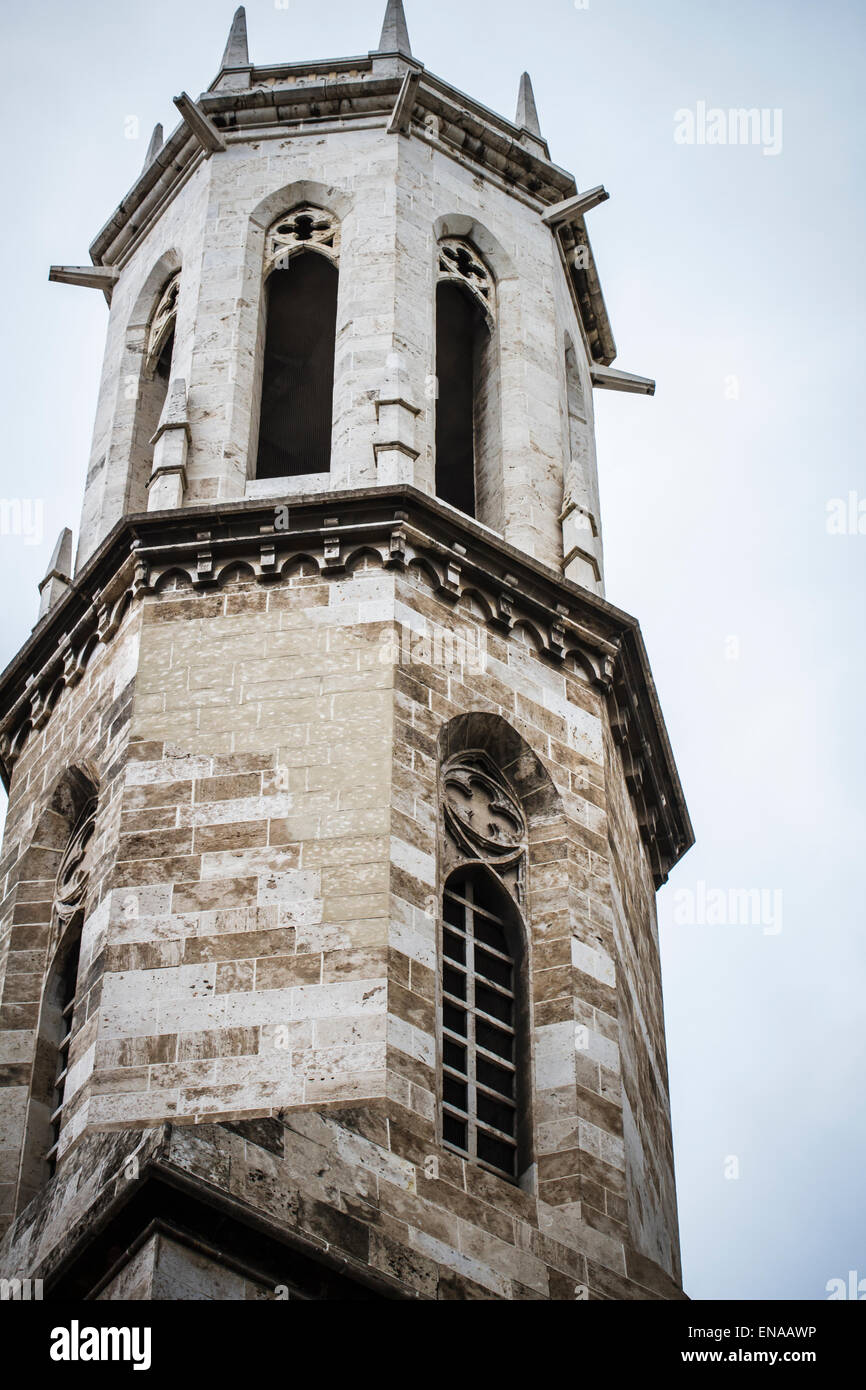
(578, 470)
(467, 402)
(297, 389)
(155, 378)
(483, 1022)
(484, 1006)
(59, 1006)
(580, 510)
(60, 996)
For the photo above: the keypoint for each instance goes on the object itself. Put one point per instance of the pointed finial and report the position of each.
(237, 54)
(58, 574)
(154, 147)
(527, 112)
(395, 32)
(61, 557)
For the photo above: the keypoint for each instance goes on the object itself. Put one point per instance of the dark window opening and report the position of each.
(483, 1022)
(151, 403)
(62, 991)
(298, 374)
(163, 365)
(461, 335)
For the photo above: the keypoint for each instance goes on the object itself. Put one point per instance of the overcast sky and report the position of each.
(733, 276)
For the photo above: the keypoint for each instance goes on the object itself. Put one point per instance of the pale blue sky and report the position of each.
(716, 262)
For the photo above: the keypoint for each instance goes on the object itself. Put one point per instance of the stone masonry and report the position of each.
(260, 681)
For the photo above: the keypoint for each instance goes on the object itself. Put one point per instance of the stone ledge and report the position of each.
(87, 1224)
(570, 627)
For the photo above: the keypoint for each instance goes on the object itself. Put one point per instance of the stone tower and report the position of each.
(339, 794)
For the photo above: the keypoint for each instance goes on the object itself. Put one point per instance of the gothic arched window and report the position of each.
(156, 373)
(297, 391)
(484, 1013)
(467, 384)
(59, 1006)
(60, 995)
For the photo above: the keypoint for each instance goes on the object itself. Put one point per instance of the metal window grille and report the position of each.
(479, 1038)
(67, 988)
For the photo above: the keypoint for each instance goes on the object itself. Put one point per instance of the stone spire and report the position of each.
(154, 147)
(237, 53)
(58, 574)
(395, 33)
(527, 112)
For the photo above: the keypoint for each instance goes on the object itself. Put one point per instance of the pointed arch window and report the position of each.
(160, 352)
(300, 334)
(467, 380)
(160, 338)
(60, 996)
(578, 466)
(484, 1012)
(155, 351)
(60, 1005)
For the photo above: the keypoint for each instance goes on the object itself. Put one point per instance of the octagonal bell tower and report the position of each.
(339, 794)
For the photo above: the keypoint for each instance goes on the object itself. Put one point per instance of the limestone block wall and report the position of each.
(88, 729)
(584, 964)
(262, 932)
(247, 927)
(645, 1086)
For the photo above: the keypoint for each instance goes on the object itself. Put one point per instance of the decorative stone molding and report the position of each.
(334, 93)
(483, 819)
(73, 875)
(569, 627)
(482, 815)
(306, 228)
(459, 261)
(163, 320)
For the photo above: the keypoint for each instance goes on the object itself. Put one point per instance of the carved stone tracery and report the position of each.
(306, 228)
(459, 261)
(163, 321)
(483, 818)
(73, 876)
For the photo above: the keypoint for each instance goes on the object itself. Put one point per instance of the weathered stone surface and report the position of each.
(269, 711)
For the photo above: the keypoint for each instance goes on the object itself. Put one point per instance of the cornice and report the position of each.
(306, 97)
(570, 627)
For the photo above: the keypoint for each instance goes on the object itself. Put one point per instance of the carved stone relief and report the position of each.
(163, 320)
(483, 819)
(70, 889)
(459, 261)
(304, 228)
